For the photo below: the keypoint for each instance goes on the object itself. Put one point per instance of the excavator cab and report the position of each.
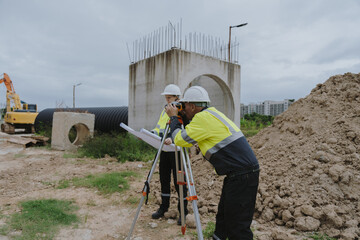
(29, 107)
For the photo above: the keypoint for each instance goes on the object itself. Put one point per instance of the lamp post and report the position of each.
(74, 93)
(236, 26)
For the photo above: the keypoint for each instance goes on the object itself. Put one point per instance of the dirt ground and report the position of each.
(309, 179)
(32, 173)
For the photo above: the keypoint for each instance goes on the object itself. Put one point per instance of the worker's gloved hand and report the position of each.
(168, 141)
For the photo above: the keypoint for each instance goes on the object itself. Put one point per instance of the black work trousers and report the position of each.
(166, 167)
(236, 207)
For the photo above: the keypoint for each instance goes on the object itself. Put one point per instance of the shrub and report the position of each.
(251, 124)
(122, 146)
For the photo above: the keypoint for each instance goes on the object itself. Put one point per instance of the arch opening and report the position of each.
(220, 95)
(78, 134)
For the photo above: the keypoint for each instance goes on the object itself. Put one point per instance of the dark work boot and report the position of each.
(164, 206)
(158, 214)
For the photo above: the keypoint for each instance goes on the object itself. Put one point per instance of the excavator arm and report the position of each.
(10, 94)
(8, 83)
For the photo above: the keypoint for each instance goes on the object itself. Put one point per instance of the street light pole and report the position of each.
(230, 27)
(74, 93)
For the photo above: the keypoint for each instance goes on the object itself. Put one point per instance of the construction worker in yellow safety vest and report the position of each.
(225, 147)
(167, 159)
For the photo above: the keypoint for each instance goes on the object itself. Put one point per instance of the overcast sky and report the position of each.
(288, 46)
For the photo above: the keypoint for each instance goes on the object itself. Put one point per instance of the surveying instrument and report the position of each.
(184, 171)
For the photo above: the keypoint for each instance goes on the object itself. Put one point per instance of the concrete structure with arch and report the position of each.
(148, 78)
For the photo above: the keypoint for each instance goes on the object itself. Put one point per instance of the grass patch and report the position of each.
(209, 230)
(41, 219)
(106, 183)
(320, 236)
(70, 155)
(123, 146)
(20, 155)
(132, 200)
(63, 184)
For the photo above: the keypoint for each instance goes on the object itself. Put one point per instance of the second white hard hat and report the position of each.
(196, 94)
(171, 89)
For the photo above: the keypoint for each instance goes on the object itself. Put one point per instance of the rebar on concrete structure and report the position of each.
(170, 36)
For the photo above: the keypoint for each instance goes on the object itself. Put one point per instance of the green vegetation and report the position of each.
(320, 236)
(122, 146)
(44, 130)
(252, 123)
(106, 183)
(132, 200)
(41, 219)
(2, 113)
(209, 230)
(69, 155)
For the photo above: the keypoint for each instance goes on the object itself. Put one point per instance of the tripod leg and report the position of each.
(145, 190)
(181, 195)
(192, 193)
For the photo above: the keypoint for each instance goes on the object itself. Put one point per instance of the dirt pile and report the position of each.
(310, 162)
(310, 166)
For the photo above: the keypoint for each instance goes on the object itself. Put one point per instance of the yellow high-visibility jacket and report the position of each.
(161, 124)
(220, 141)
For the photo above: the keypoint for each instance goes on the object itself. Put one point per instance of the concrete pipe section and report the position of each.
(63, 122)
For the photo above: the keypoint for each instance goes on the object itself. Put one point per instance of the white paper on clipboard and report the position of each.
(148, 137)
(150, 134)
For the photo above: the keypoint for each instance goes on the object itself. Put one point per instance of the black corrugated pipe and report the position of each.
(107, 119)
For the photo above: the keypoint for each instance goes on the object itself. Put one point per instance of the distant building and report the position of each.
(269, 108)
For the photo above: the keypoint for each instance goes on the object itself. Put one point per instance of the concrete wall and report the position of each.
(148, 78)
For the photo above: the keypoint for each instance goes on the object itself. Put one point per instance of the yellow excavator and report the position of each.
(18, 114)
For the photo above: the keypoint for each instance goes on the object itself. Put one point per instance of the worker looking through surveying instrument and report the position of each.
(167, 159)
(225, 147)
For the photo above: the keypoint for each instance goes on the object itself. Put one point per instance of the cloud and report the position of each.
(285, 50)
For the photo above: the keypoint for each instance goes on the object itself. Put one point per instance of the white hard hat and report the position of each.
(196, 94)
(171, 89)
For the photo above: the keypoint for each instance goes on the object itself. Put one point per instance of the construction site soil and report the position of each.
(309, 179)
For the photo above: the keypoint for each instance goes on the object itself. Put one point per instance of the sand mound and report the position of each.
(310, 178)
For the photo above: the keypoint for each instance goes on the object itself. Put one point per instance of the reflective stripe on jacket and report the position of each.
(220, 141)
(161, 125)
